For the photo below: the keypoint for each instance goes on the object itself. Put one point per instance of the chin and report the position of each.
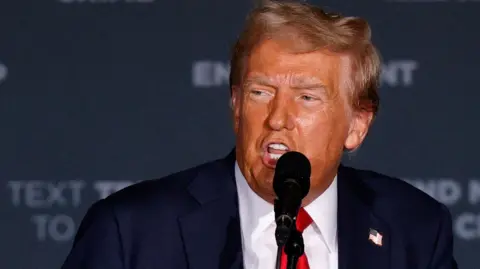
(264, 179)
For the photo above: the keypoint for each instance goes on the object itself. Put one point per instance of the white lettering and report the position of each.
(105, 1)
(398, 73)
(41, 222)
(448, 191)
(433, 1)
(77, 186)
(3, 72)
(221, 74)
(59, 228)
(201, 76)
(467, 226)
(474, 191)
(41, 194)
(105, 188)
(35, 195)
(210, 74)
(207, 73)
(445, 190)
(16, 187)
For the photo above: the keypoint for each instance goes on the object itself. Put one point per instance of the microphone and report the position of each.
(291, 184)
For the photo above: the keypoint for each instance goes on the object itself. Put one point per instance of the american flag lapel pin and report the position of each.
(375, 237)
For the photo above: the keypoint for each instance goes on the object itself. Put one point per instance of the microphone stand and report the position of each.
(294, 248)
(291, 242)
(279, 255)
(281, 235)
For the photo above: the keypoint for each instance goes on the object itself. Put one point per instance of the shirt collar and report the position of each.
(256, 214)
(322, 210)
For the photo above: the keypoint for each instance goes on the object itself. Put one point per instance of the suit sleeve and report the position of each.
(97, 244)
(443, 252)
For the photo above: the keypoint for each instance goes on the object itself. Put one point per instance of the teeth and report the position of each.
(275, 156)
(278, 146)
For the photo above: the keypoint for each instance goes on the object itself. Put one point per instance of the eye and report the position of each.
(308, 98)
(256, 92)
(259, 93)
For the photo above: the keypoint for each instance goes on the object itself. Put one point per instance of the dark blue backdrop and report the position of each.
(94, 94)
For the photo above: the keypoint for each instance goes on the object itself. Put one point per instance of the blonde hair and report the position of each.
(309, 28)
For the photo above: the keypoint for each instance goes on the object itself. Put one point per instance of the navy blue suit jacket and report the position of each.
(190, 220)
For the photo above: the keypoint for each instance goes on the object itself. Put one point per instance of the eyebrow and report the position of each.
(298, 83)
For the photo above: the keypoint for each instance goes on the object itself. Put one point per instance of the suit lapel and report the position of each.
(211, 234)
(355, 221)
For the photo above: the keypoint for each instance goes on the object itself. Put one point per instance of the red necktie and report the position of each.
(303, 221)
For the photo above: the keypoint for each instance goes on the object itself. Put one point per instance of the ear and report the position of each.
(359, 126)
(235, 99)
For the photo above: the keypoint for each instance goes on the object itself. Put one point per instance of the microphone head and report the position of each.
(295, 166)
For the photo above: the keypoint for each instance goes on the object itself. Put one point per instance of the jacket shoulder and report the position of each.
(398, 200)
(163, 193)
(421, 223)
(139, 217)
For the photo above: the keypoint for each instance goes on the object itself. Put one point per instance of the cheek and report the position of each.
(251, 126)
(322, 132)
(316, 122)
(253, 115)
(313, 130)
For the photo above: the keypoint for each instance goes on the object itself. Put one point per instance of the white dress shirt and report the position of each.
(258, 228)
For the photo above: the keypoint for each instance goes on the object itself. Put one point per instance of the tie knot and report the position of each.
(303, 220)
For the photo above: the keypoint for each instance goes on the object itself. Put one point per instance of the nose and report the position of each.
(280, 114)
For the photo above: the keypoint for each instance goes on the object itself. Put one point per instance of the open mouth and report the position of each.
(273, 152)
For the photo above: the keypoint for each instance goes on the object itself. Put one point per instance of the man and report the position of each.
(301, 80)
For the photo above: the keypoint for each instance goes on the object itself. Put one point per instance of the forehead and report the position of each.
(291, 78)
(273, 63)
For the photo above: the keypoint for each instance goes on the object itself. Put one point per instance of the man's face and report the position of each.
(293, 102)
